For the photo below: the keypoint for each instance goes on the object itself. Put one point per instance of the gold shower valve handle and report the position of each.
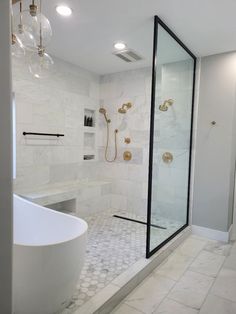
(167, 158)
(127, 140)
(127, 155)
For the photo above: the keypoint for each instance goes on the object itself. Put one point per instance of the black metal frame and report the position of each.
(158, 21)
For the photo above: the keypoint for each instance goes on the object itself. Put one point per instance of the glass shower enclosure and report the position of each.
(170, 137)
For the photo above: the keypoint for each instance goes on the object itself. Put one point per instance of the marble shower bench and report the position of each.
(81, 197)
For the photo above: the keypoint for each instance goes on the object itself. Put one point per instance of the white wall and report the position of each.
(5, 163)
(215, 145)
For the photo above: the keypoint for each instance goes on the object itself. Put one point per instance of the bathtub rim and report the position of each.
(83, 223)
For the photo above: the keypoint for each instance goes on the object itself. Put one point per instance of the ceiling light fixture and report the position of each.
(119, 45)
(63, 10)
(40, 63)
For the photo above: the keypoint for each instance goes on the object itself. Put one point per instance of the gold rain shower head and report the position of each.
(104, 112)
(166, 104)
(125, 107)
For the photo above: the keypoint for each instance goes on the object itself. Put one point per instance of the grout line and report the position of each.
(132, 307)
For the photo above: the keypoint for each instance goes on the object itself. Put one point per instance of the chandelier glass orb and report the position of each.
(40, 64)
(17, 49)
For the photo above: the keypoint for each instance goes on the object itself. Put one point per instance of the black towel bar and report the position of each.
(44, 134)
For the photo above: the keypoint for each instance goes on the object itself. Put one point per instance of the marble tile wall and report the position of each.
(172, 134)
(129, 178)
(52, 105)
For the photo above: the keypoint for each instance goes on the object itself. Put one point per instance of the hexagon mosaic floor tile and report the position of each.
(113, 246)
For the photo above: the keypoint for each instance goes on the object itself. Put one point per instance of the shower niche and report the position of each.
(89, 118)
(89, 141)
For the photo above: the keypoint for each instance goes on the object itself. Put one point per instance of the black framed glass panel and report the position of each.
(170, 137)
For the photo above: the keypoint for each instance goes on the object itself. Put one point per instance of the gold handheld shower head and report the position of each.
(125, 107)
(104, 112)
(166, 104)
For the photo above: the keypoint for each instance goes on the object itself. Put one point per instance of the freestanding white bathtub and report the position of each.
(49, 251)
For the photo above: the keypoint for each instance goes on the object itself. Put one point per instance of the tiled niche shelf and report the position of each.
(89, 144)
(89, 118)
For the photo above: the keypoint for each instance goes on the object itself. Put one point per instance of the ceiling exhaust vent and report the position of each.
(128, 55)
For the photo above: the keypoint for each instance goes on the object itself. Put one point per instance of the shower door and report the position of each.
(170, 137)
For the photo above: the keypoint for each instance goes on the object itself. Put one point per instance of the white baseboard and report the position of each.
(211, 233)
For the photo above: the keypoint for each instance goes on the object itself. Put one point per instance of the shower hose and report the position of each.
(107, 145)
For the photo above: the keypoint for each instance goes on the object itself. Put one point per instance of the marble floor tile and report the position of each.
(147, 296)
(192, 289)
(174, 266)
(125, 309)
(217, 247)
(169, 306)
(113, 246)
(230, 262)
(217, 305)
(225, 285)
(207, 263)
(192, 246)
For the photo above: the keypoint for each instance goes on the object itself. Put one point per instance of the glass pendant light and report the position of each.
(17, 49)
(40, 62)
(34, 22)
(41, 27)
(23, 33)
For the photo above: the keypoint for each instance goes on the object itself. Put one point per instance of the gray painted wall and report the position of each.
(5, 163)
(215, 145)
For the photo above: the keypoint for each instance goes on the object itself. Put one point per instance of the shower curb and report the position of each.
(109, 297)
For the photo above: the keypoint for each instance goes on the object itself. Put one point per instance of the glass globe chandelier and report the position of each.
(32, 33)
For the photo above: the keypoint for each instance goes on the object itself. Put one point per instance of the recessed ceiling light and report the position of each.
(63, 10)
(119, 45)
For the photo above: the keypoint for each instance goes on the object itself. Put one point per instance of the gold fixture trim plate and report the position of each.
(167, 158)
(127, 155)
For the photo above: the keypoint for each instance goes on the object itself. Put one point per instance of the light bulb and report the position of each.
(40, 64)
(36, 26)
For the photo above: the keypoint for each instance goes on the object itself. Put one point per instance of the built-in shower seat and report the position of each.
(66, 195)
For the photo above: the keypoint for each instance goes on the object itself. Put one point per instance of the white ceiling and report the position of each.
(86, 38)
